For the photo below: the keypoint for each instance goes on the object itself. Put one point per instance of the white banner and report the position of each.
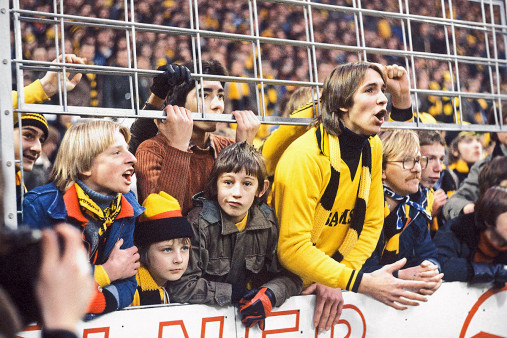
(455, 310)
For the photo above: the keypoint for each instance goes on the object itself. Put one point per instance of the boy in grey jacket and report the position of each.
(235, 235)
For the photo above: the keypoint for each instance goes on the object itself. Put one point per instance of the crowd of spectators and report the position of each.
(106, 46)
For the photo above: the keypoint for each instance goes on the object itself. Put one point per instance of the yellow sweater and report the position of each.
(283, 136)
(301, 177)
(33, 94)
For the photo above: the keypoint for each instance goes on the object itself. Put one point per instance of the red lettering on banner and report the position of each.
(474, 309)
(104, 330)
(161, 326)
(266, 332)
(219, 319)
(346, 323)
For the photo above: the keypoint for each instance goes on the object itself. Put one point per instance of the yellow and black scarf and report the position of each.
(148, 292)
(393, 230)
(327, 201)
(105, 217)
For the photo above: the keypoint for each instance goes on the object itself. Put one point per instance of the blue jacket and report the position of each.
(45, 207)
(456, 247)
(414, 243)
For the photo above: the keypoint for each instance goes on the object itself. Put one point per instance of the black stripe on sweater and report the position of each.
(329, 195)
(350, 280)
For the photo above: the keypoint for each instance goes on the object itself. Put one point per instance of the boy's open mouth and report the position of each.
(381, 114)
(127, 174)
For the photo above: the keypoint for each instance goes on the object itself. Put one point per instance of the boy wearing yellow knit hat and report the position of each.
(162, 236)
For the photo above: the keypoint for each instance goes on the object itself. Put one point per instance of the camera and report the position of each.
(20, 260)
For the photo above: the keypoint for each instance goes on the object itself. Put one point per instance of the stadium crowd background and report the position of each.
(107, 47)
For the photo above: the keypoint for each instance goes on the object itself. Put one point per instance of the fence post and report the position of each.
(7, 162)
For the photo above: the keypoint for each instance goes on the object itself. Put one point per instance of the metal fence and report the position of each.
(454, 52)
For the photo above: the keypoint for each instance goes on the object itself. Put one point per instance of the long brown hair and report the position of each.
(339, 89)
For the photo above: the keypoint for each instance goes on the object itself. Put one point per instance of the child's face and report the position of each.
(470, 149)
(168, 260)
(236, 193)
(112, 169)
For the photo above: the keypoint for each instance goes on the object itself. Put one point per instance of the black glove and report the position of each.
(256, 305)
(486, 272)
(172, 76)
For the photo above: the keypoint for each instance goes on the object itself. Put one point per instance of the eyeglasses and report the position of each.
(409, 163)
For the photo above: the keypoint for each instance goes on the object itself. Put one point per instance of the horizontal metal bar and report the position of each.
(229, 118)
(110, 70)
(337, 8)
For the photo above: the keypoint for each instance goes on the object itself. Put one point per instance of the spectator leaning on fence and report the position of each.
(405, 232)
(179, 159)
(90, 189)
(162, 235)
(232, 225)
(457, 241)
(336, 169)
(475, 248)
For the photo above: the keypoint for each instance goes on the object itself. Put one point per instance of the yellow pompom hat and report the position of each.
(161, 221)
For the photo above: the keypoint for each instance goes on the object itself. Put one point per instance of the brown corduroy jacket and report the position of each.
(181, 174)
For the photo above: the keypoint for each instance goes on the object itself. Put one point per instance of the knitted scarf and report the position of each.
(487, 250)
(327, 200)
(148, 291)
(392, 234)
(106, 217)
(99, 219)
(460, 166)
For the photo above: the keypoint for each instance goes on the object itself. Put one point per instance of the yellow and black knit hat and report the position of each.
(162, 220)
(32, 119)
